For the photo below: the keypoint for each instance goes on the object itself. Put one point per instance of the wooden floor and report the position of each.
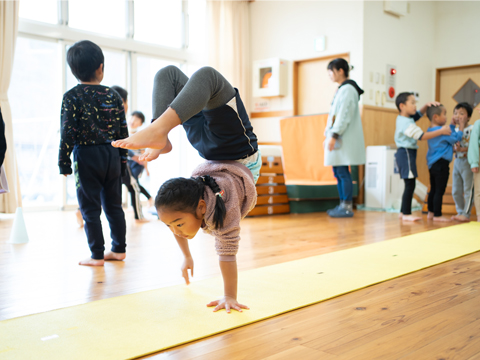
(431, 314)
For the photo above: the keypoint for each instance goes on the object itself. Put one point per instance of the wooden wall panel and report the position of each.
(378, 125)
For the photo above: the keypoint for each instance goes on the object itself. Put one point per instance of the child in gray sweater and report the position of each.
(222, 190)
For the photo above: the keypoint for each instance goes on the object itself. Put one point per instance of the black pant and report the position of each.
(144, 191)
(133, 188)
(407, 197)
(439, 173)
(98, 182)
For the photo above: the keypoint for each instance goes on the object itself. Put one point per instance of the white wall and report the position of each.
(408, 42)
(287, 29)
(457, 30)
(433, 34)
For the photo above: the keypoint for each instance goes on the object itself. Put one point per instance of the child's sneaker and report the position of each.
(340, 212)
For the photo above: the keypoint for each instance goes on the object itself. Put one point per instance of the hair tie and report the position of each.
(221, 193)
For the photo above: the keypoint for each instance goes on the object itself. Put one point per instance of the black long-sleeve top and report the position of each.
(91, 115)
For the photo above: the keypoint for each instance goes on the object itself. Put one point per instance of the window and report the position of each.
(159, 22)
(38, 82)
(107, 17)
(44, 11)
(35, 96)
(146, 68)
(197, 16)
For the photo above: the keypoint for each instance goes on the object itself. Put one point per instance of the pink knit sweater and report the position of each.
(236, 180)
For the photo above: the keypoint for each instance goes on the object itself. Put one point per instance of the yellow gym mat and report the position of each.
(133, 325)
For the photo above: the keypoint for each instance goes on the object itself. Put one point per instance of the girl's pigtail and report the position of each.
(220, 210)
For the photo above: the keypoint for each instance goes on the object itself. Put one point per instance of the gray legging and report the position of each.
(206, 89)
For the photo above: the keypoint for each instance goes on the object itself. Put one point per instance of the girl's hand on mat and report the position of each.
(475, 170)
(187, 264)
(227, 303)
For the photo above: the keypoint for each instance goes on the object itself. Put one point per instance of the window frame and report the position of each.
(64, 36)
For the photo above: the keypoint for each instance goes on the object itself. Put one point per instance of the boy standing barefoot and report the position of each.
(92, 117)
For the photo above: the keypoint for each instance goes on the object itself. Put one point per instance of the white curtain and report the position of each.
(229, 43)
(8, 35)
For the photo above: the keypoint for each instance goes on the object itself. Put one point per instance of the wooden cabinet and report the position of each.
(272, 192)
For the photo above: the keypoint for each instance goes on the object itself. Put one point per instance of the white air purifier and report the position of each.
(383, 186)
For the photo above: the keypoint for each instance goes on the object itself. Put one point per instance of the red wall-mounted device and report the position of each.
(390, 83)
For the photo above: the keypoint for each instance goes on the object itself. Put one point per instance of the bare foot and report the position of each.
(430, 215)
(91, 262)
(152, 154)
(410, 218)
(400, 215)
(114, 256)
(146, 138)
(441, 219)
(461, 218)
(154, 136)
(78, 213)
(141, 221)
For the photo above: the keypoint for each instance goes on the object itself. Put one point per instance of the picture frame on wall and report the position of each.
(270, 77)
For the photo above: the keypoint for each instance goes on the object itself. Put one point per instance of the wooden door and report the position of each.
(448, 82)
(313, 89)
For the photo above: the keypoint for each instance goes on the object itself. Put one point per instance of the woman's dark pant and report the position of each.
(98, 182)
(344, 182)
(439, 173)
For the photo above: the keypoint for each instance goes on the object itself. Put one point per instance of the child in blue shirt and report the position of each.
(439, 156)
(406, 135)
